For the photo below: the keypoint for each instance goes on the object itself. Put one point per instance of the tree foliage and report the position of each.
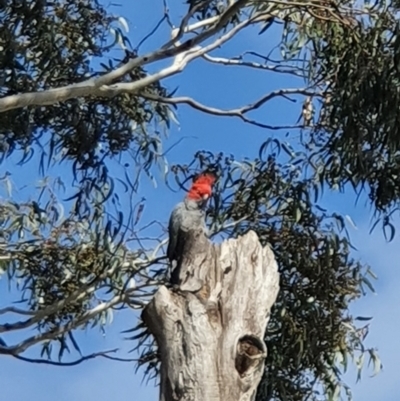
(52, 44)
(74, 262)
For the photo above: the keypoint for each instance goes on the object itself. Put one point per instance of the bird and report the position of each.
(188, 215)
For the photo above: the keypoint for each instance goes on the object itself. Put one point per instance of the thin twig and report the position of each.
(166, 14)
(151, 33)
(103, 354)
(12, 309)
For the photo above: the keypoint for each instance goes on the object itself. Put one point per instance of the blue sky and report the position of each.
(103, 380)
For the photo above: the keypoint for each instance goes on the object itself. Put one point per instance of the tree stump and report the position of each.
(210, 330)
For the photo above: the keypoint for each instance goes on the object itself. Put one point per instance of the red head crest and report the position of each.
(201, 188)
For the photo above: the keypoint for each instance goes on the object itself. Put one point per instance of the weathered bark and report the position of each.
(210, 330)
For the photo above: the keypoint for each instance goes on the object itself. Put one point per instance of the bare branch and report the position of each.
(271, 127)
(239, 112)
(241, 63)
(166, 14)
(152, 32)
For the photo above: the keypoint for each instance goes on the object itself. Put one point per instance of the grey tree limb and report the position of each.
(210, 330)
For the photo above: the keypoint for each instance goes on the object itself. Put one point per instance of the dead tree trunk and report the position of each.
(210, 331)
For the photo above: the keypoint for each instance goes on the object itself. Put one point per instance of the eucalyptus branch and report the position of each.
(75, 296)
(217, 228)
(184, 28)
(54, 333)
(12, 309)
(180, 62)
(238, 112)
(105, 85)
